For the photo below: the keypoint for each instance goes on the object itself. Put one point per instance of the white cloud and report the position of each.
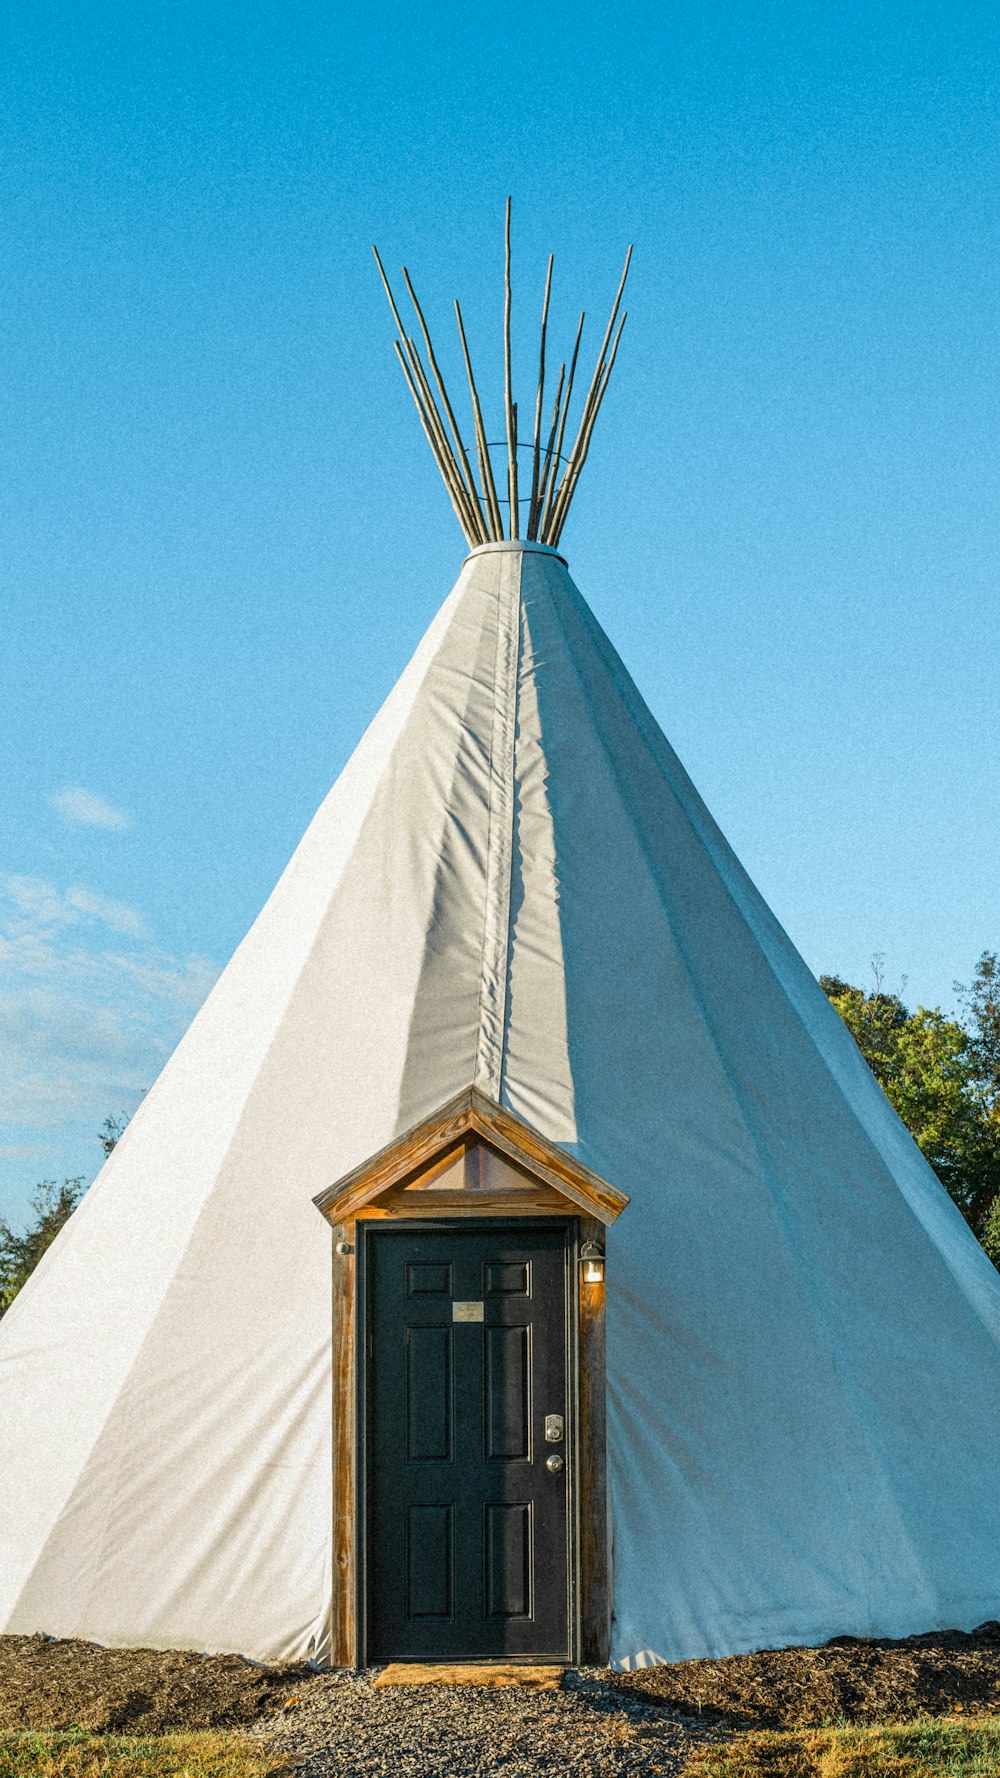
(40, 907)
(38, 902)
(90, 1007)
(117, 914)
(84, 808)
(184, 984)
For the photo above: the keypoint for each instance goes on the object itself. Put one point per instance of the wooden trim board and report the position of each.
(537, 1679)
(344, 1647)
(594, 1559)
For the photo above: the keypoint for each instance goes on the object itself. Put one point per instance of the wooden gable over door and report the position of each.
(473, 1158)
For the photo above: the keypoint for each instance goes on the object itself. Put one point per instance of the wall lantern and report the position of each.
(592, 1263)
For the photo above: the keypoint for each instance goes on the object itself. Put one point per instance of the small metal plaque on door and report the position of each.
(467, 1311)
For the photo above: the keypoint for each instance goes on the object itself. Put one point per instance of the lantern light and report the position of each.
(592, 1263)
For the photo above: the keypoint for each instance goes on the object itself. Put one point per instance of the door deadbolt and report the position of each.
(553, 1428)
(554, 1464)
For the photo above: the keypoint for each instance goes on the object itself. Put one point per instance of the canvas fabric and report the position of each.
(513, 883)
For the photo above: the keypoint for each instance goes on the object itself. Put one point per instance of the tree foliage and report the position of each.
(53, 1205)
(943, 1078)
(981, 1002)
(112, 1130)
(991, 1232)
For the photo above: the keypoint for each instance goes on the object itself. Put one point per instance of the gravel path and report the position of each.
(345, 1728)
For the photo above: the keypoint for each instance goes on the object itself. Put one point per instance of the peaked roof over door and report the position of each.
(514, 886)
(470, 1118)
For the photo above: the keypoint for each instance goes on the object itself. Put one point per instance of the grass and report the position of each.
(77, 1754)
(926, 1748)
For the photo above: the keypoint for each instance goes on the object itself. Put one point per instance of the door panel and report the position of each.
(507, 1392)
(467, 1532)
(430, 1562)
(508, 1560)
(429, 1417)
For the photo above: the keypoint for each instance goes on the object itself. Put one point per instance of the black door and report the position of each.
(468, 1442)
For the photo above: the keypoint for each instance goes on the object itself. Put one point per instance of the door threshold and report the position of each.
(484, 1673)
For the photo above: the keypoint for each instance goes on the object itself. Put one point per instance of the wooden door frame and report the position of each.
(590, 1624)
(392, 1186)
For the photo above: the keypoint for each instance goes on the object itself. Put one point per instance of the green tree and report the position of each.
(53, 1205)
(112, 1130)
(981, 1004)
(982, 1007)
(936, 1073)
(991, 1232)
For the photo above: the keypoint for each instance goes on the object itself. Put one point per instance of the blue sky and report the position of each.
(223, 534)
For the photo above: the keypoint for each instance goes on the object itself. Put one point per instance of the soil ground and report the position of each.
(847, 1680)
(49, 1684)
(46, 1684)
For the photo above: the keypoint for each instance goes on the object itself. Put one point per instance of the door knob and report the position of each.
(554, 1464)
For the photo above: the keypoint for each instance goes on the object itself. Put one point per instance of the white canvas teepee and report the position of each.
(514, 885)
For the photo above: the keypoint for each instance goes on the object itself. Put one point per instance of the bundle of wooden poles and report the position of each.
(554, 477)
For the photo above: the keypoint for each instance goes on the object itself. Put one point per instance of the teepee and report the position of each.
(516, 1256)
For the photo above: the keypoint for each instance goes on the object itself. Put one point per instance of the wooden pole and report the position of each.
(490, 500)
(449, 467)
(562, 499)
(536, 451)
(469, 486)
(517, 526)
(550, 496)
(513, 531)
(548, 459)
(581, 454)
(397, 348)
(388, 291)
(590, 429)
(430, 419)
(554, 476)
(570, 476)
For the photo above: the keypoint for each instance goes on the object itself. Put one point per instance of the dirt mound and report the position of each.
(47, 1684)
(846, 1680)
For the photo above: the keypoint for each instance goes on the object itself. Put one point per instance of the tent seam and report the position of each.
(517, 633)
(492, 1016)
